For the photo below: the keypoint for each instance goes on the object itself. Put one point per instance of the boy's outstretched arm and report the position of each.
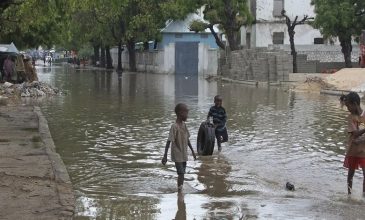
(192, 150)
(164, 158)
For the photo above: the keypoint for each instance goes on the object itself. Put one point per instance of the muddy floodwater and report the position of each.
(111, 129)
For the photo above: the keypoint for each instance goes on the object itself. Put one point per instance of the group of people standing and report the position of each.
(18, 69)
(179, 137)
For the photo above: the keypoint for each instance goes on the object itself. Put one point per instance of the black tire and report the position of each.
(206, 139)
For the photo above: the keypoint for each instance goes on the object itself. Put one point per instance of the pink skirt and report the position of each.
(353, 162)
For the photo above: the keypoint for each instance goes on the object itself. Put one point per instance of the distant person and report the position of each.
(9, 68)
(44, 60)
(218, 113)
(30, 71)
(50, 60)
(355, 152)
(179, 140)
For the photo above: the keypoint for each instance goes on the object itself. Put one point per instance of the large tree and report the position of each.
(228, 15)
(33, 22)
(340, 18)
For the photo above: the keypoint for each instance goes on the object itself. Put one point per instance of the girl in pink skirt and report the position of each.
(355, 153)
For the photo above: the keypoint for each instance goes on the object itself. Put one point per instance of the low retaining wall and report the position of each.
(257, 64)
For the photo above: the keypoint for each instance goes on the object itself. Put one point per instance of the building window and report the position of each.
(278, 7)
(318, 40)
(203, 35)
(278, 38)
(178, 35)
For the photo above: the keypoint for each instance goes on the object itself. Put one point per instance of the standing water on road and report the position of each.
(111, 130)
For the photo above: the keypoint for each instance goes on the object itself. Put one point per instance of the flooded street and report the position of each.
(111, 130)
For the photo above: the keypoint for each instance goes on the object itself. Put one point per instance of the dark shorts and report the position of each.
(221, 135)
(180, 167)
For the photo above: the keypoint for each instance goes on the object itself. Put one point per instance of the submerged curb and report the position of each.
(61, 177)
(334, 92)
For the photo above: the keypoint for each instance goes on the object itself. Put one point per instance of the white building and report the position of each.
(270, 27)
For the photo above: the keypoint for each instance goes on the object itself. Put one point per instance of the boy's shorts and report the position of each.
(221, 135)
(180, 167)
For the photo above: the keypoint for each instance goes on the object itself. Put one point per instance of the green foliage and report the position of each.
(339, 18)
(198, 26)
(86, 51)
(228, 15)
(178, 9)
(33, 22)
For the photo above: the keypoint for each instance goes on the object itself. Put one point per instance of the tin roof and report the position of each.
(8, 48)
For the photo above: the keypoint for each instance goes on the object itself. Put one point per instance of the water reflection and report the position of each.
(213, 173)
(186, 86)
(181, 207)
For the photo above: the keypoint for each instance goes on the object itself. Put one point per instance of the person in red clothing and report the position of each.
(355, 152)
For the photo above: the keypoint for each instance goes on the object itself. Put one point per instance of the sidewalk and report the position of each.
(34, 183)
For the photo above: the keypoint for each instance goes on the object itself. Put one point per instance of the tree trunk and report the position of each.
(146, 46)
(232, 39)
(96, 54)
(109, 60)
(231, 25)
(120, 50)
(346, 49)
(102, 56)
(132, 55)
(293, 51)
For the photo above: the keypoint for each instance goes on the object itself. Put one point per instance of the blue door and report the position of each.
(186, 58)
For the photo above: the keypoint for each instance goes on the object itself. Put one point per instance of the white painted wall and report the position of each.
(208, 60)
(267, 24)
(304, 34)
(169, 59)
(264, 9)
(163, 61)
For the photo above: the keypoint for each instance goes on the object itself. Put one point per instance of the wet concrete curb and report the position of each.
(334, 92)
(255, 83)
(63, 182)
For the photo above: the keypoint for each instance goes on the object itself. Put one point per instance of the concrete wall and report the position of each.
(163, 61)
(316, 66)
(257, 64)
(208, 60)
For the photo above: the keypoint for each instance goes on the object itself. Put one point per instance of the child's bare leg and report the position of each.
(350, 176)
(219, 143)
(180, 181)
